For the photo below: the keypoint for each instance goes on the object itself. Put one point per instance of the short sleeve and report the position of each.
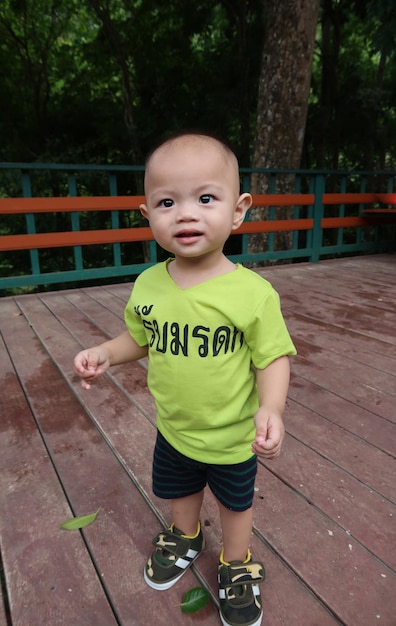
(133, 321)
(267, 335)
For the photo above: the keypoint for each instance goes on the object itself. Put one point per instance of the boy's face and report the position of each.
(192, 195)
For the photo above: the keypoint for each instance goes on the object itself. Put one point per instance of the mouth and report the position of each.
(188, 235)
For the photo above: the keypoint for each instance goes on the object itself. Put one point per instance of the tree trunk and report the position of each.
(289, 37)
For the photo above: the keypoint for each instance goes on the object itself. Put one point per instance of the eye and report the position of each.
(166, 203)
(206, 198)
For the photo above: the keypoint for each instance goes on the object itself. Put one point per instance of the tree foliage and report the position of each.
(100, 80)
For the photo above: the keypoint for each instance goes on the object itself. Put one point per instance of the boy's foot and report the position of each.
(240, 601)
(173, 555)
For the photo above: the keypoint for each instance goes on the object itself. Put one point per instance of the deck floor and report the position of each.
(325, 513)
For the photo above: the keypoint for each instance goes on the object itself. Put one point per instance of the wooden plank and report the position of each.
(349, 198)
(352, 346)
(376, 401)
(121, 291)
(354, 583)
(337, 280)
(127, 376)
(49, 575)
(283, 199)
(76, 238)
(341, 314)
(351, 417)
(110, 324)
(326, 368)
(387, 198)
(333, 335)
(371, 294)
(286, 597)
(296, 601)
(377, 267)
(68, 204)
(110, 301)
(274, 226)
(380, 211)
(344, 222)
(94, 477)
(325, 542)
(353, 504)
(122, 235)
(106, 203)
(357, 457)
(339, 305)
(354, 370)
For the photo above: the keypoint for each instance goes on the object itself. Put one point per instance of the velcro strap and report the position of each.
(241, 574)
(172, 543)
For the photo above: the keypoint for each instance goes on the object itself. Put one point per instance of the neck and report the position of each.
(189, 272)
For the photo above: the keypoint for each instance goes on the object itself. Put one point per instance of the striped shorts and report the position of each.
(177, 476)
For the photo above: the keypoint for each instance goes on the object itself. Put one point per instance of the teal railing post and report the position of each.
(245, 189)
(75, 221)
(310, 212)
(30, 222)
(341, 211)
(115, 220)
(271, 213)
(296, 214)
(318, 211)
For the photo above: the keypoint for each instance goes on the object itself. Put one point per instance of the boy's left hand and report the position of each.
(270, 432)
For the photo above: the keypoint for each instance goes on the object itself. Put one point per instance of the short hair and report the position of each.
(191, 132)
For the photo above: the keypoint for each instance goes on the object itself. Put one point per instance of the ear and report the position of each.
(143, 210)
(243, 205)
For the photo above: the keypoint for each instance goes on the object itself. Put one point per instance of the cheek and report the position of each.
(160, 230)
(221, 225)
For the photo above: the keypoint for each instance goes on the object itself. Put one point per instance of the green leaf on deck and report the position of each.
(75, 523)
(194, 600)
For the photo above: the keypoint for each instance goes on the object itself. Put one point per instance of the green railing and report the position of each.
(125, 259)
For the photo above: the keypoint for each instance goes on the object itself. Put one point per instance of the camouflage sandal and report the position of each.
(239, 594)
(174, 553)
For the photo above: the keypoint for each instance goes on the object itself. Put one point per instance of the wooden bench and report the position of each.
(32, 240)
(370, 200)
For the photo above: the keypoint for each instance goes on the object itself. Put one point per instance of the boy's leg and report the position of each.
(237, 530)
(238, 574)
(178, 547)
(185, 513)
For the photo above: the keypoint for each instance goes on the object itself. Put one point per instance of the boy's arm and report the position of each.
(123, 349)
(272, 385)
(91, 363)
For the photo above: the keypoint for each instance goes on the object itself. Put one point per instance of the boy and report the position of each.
(218, 365)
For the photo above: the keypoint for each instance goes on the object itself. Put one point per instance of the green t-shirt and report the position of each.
(202, 343)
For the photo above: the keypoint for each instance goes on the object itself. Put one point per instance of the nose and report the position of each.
(186, 212)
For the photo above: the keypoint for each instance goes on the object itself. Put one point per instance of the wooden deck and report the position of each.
(325, 516)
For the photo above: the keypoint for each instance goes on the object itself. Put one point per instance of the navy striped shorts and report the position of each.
(177, 476)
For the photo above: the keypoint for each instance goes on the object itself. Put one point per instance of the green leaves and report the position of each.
(75, 523)
(194, 600)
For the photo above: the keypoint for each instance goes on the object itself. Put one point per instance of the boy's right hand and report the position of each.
(90, 364)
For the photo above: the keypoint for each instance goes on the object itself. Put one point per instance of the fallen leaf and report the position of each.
(74, 523)
(194, 600)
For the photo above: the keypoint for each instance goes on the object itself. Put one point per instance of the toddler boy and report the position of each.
(218, 365)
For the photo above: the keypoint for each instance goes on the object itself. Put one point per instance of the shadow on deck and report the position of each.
(324, 513)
